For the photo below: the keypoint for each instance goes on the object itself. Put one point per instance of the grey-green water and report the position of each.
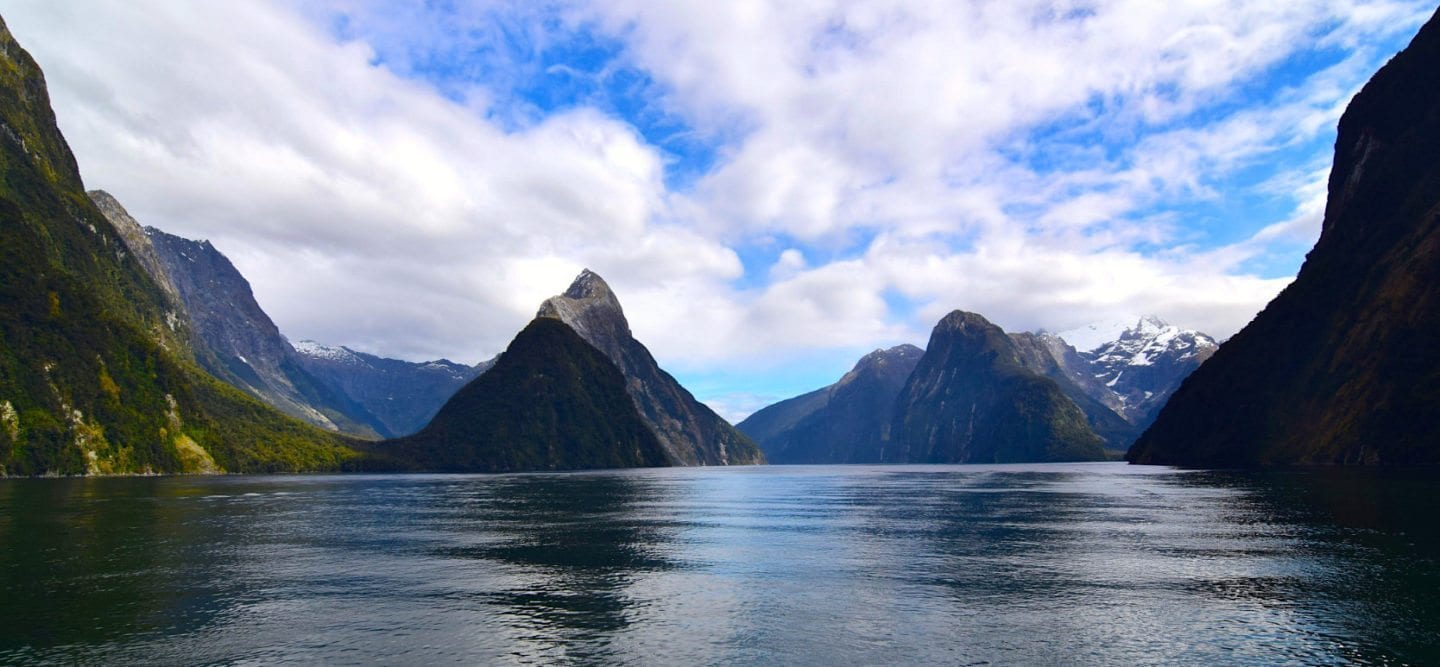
(1068, 564)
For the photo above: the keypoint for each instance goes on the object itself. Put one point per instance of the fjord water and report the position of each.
(1073, 563)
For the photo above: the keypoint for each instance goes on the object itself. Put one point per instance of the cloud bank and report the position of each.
(771, 188)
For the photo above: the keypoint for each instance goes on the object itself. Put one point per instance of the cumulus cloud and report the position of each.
(365, 209)
(378, 175)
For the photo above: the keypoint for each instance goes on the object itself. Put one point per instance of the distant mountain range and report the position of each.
(1135, 373)
(402, 396)
(1116, 385)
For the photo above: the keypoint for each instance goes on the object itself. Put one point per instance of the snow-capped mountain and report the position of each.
(402, 395)
(1144, 364)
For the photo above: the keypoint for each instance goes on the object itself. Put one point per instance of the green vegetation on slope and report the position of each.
(95, 374)
(551, 402)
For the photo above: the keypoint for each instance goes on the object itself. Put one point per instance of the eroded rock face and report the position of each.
(690, 432)
(232, 337)
(1343, 367)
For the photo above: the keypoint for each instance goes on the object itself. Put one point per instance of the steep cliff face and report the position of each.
(972, 400)
(95, 374)
(1043, 354)
(1343, 367)
(551, 402)
(690, 432)
(236, 341)
(233, 338)
(851, 422)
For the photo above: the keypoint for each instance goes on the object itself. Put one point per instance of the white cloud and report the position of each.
(882, 149)
(365, 209)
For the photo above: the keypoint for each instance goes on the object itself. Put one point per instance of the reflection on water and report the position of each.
(1076, 563)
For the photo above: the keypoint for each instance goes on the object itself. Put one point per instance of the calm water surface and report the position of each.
(1073, 564)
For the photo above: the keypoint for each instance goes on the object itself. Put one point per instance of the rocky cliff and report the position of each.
(690, 432)
(972, 400)
(1343, 367)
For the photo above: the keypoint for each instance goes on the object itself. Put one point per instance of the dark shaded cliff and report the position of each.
(847, 422)
(1343, 367)
(551, 402)
(691, 433)
(971, 400)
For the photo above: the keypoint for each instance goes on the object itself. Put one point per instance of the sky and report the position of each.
(771, 188)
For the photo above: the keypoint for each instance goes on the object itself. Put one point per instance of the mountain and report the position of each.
(1343, 366)
(551, 402)
(767, 423)
(1050, 356)
(235, 340)
(232, 337)
(1146, 364)
(972, 400)
(847, 422)
(690, 432)
(97, 374)
(402, 396)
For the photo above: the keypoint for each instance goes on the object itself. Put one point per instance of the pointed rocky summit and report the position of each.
(689, 432)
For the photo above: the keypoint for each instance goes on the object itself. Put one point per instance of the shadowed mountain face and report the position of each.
(551, 402)
(401, 395)
(1344, 365)
(1042, 353)
(847, 422)
(975, 395)
(972, 400)
(690, 432)
(95, 362)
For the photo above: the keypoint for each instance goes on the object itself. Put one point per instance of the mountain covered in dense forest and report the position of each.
(574, 390)
(551, 402)
(971, 399)
(97, 370)
(1343, 367)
